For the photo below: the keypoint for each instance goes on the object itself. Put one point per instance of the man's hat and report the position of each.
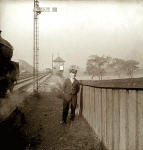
(73, 71)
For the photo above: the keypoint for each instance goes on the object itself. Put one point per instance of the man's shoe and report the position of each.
(62, 122)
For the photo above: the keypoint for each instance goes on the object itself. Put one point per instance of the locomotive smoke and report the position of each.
(54, 83)
(9, 104)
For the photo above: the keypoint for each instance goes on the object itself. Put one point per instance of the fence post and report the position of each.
(81, 100)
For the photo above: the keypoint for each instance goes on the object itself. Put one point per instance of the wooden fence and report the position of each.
(114, 109)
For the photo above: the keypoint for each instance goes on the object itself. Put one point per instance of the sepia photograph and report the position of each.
(71, 74)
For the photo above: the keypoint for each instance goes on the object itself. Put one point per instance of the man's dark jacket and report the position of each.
(70, 89)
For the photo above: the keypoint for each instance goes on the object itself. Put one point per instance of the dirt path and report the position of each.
(43, 122)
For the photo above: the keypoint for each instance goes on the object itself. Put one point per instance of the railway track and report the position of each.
(23, 80)
(26, 83)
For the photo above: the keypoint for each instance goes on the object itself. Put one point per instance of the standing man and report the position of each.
(70, 89)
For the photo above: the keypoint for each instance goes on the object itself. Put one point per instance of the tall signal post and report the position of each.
(37, 11)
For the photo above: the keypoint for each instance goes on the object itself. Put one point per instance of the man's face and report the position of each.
(72, 75)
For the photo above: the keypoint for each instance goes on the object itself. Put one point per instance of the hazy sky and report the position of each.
(77, 30)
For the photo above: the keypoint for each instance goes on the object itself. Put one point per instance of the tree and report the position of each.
(130, 66)
(118, 66)
(99, 66)
(96, 66)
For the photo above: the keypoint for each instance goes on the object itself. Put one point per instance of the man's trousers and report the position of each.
(66, 105)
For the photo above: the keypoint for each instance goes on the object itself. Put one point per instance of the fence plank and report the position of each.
(109, 119)
(84, 101)
(81, 101)
(140, 120)
(95, 111)
(116, 120)
(88, 104)
(123, 120)
(92, 106)
(98, 112)
(104, 116)
(83, 111)
(132, 120)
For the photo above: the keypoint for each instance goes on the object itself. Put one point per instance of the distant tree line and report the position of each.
(99, 66)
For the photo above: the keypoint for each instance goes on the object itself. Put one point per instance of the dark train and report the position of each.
(9, 70)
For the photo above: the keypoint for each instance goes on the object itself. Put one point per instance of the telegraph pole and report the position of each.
(37, 10)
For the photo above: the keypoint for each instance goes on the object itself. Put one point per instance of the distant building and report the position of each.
(58, 65)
